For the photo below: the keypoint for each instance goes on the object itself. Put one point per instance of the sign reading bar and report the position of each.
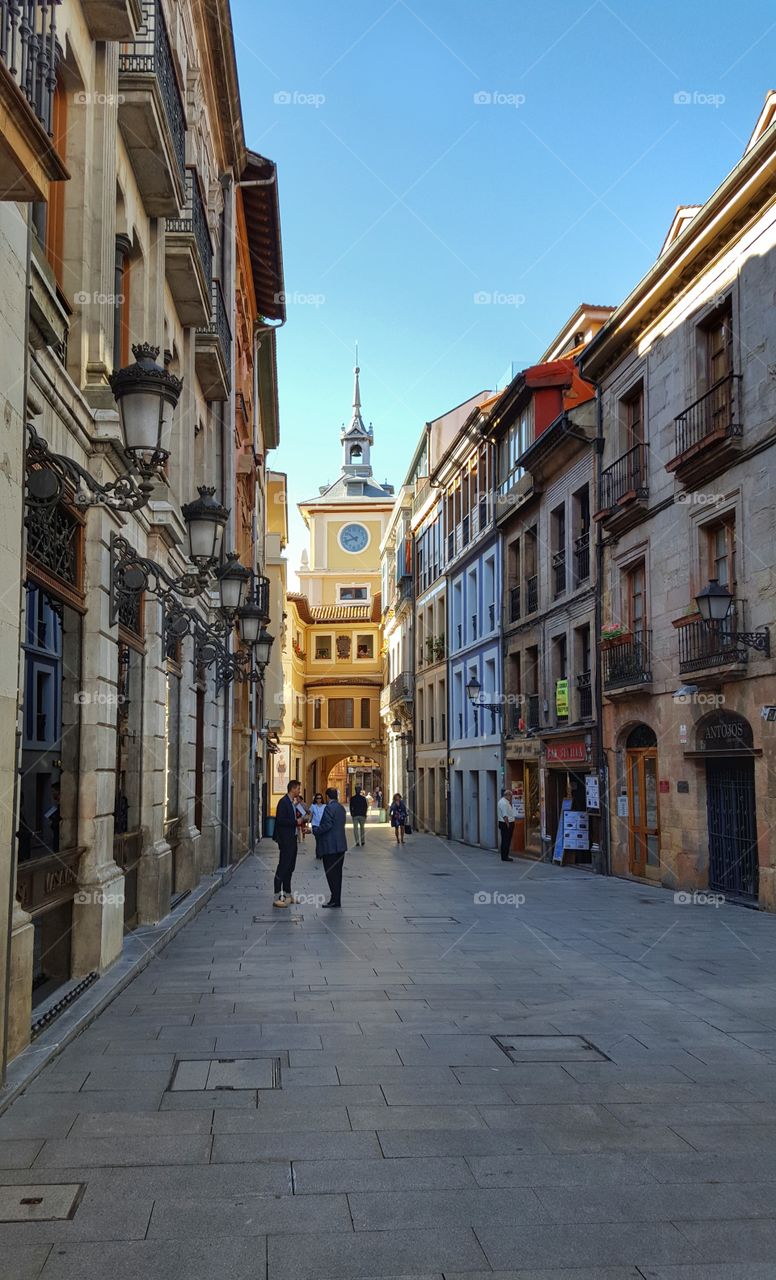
(572, 752)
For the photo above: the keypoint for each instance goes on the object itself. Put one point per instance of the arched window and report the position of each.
(640, 738)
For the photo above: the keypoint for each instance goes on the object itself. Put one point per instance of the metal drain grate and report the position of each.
(47, 1202)
(549, 1049)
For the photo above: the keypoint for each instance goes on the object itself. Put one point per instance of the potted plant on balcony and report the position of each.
(439, 648)
(613, 634)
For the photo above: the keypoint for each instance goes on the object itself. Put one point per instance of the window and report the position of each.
(121, 303)
(365, 646)
(323, 649)
(636, 599)
(366, 713)
(317, 713)
(558, 518)
(721, 552)
(347, 595)
(340, 713)
(633, 416)
(718, 335)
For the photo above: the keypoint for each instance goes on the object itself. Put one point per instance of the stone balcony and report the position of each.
(188, 257)
(28, 59)
(152, 116)
(213, 350)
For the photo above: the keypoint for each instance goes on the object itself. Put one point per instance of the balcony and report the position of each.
(585, 695)
(627, 664)
(404, 589)
(422, 491)
(112, 19)
(705, 647)
(559, 572)
(213, 351)
(188, 258)
(401, 690)
(261, 596)
(514, 604)
(531, 716)
(152, 117)
(532, 593)
(624, 491)
(582, 558)
(708, 433)
(28, 60)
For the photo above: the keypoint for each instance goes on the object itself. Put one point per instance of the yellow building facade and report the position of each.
(332, 656)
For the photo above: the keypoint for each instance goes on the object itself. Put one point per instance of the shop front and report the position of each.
(522, 775)
(572, 802)
(725, 752)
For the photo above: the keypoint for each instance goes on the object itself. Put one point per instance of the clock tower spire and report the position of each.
(357, 439)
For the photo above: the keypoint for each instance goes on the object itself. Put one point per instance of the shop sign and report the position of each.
(725, 731)
(518, 799)
(572, 752)
(562, 699)
(622, 806)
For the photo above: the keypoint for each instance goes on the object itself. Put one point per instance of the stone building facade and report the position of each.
(686, 498)
(131, 237)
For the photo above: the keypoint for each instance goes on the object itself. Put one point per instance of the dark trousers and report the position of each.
(506, 829)
(286, 864)
(332, 865)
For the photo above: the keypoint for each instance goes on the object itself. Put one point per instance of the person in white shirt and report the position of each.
(506, 824)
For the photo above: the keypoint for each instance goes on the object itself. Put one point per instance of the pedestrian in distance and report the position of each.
(506, 824)
(286, 837)
(333, 844)
(316, 813)
(358, 812)
(398, 815)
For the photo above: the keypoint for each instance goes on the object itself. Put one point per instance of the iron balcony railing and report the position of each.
(712, 645)
(628, 661)
(150, 54)
(261, 595)
(559, 571)
(627, 475)
(582, 557)
(194, 223)
(532, 594)
(401, 688)
(219, 322)
(714, 412)
(422, 490)
(28, 47)
(514, 604)
(531, 716)
(585, 692)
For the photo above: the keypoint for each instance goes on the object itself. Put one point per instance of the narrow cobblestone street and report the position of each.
(436, 1081)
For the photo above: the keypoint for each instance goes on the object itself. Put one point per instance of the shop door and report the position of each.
(730, 808)
(643, 810)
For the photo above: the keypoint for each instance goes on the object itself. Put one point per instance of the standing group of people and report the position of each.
(327, 820)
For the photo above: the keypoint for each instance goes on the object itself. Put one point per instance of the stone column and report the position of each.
(98, 908)
(154, 887)
(188, 853)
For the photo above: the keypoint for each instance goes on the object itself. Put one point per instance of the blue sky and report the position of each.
(404, 194)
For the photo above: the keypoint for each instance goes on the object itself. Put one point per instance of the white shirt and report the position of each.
(506, 812)
(316, 813)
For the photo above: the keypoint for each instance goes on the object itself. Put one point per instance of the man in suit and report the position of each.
(358, 812)
(333, 845)
(286, 819)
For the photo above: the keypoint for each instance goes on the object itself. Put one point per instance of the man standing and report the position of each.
(333, 845)
(358, 811)
(286, 819)
(506, 824)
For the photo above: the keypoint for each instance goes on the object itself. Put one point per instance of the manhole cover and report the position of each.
(225, 1073)
(549, 1049)
(43, 1203)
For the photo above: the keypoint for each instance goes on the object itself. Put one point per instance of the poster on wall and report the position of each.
(576, 830)
(592, 792)
(518, 799)
(281, 769)
(562, 699)
(559, 843)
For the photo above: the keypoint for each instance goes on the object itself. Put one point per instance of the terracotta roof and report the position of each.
(336, 612)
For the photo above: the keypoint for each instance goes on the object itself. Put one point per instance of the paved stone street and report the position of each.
(626, 1130)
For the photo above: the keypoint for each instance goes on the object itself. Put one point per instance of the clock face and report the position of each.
(353, 537)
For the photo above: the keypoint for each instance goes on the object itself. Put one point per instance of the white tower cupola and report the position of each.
(357, 439)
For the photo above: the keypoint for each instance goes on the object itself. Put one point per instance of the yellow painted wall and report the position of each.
(365, 561)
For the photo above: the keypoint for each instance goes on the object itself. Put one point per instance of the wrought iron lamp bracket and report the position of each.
(132, 574)
(50, 475)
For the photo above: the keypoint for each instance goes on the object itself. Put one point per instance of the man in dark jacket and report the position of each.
(286, 819)
(358, 812)
(333, 845)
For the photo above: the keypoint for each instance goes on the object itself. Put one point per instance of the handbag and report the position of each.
(407, 829)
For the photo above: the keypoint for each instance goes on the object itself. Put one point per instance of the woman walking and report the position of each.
(398, 816)
(316, 813)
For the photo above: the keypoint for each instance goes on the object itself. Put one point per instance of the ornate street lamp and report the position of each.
(474, 694)
(714, 605)
(205, 519)
(232, 578)
(262, 649)
(146, 395)
(473, 690)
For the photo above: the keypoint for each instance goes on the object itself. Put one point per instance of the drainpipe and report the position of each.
(601, 763)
